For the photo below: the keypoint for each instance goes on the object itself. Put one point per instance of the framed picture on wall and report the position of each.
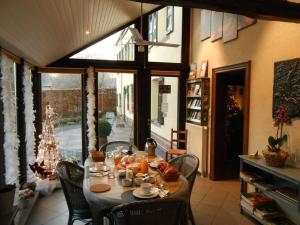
(245, 21)
(229, 27)
(205, 24)
(216, 25)
(203, 69)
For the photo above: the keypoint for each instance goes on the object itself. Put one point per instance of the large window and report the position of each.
(118, 46)
(63, 93)
(165, 26)
(116, 106)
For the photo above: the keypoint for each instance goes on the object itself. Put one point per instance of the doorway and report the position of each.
(230, 119)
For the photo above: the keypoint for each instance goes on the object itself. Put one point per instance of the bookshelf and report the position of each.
(282, 185)
(197, 101)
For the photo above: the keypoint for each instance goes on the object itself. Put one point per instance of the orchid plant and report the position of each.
(281, 118)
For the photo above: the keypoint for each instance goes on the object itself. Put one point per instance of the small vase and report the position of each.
(275, 159)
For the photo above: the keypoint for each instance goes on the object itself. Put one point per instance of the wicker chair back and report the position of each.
(110, 146)
(167, 211)
(71, 178)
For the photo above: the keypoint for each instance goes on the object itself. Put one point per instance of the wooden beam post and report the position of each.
(21, 123)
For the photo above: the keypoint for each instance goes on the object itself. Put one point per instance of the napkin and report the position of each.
(163, 193)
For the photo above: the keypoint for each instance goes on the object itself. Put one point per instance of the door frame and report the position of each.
(246, 66)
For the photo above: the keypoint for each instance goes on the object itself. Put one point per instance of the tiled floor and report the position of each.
(213, 203)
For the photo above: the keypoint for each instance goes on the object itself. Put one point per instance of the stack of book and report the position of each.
(250, 177)
(262, 207)
(254, 200)
(268, 211)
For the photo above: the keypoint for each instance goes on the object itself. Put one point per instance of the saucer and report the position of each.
(99, 169)
(138, 193)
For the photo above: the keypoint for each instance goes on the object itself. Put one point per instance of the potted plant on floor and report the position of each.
(104, 130)
(274, 154)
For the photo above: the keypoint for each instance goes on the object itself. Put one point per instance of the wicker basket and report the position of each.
(275, 159)
(169, 177)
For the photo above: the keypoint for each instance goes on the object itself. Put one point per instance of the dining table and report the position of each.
(101, 203)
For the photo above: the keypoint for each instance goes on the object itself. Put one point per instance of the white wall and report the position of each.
(264, 43)
(170, 120)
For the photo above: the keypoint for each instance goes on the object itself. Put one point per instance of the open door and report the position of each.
(230, 119)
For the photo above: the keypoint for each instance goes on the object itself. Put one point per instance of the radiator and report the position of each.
(198, 145)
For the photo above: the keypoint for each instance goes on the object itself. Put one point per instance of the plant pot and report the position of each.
(275, 159)
(7, 195)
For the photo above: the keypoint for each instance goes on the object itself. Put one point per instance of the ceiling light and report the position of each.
(87, 32)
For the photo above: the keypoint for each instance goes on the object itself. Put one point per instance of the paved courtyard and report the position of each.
(70, 141)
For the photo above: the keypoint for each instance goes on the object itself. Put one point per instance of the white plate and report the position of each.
(138, 193)
(99, 169)
(154, 164)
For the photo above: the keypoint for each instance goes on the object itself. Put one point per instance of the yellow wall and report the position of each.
(263, 43)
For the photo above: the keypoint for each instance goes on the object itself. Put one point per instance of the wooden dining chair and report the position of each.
(165, 211)
(178, 137)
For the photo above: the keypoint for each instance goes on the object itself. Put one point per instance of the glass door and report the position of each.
(115, 107)
(164, 109)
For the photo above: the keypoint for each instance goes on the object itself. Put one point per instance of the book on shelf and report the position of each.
(247, 206)
(267, 211)
(288, 193)
(256, 199)
(249, 176)
(196, 90)
(263, 185)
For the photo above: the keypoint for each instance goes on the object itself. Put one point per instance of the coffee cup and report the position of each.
(138, 180)
(146, 188)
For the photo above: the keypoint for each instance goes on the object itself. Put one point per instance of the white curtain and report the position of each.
(11, 139)
(91, 107)
(29, 120)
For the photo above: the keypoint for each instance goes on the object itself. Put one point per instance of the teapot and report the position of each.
(150, 146)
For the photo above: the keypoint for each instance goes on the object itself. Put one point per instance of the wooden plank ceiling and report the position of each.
(42, 31)
(281, 10)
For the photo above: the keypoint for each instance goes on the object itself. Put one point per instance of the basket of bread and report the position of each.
(168, 172)
(97, 156)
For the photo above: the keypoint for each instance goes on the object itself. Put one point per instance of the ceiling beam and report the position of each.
(280, 10)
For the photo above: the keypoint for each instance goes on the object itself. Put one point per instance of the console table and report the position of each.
(278, 178)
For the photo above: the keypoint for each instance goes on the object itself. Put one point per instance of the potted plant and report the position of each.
(274, 155)
(104, 130)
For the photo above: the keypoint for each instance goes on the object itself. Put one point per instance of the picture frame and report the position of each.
(230, 31)
(203, 69)
(205, 24)
(192, 75)
(216, 26)
(245, 21)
